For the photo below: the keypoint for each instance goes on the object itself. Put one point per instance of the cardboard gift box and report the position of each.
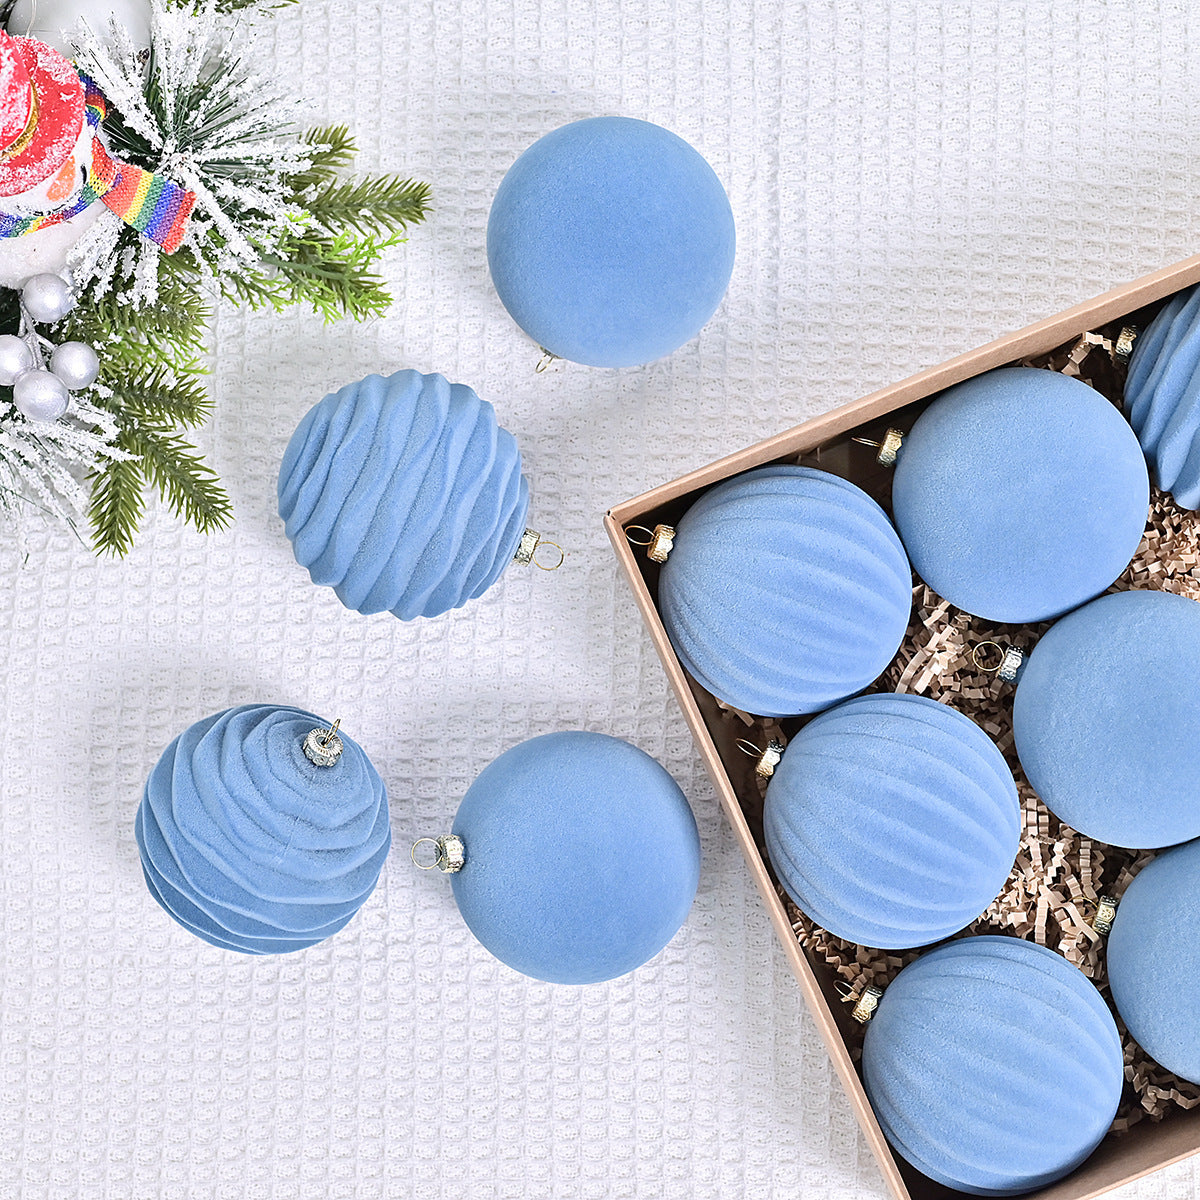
(827, 441)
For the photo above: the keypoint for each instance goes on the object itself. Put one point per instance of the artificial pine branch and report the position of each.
(175, 468)
(368, 205)
(117, 504)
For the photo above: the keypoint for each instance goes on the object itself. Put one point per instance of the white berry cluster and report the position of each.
(42, 393)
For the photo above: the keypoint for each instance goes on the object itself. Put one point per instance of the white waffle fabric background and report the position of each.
(909, 180)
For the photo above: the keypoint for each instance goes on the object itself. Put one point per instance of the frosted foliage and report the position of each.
(199, 107)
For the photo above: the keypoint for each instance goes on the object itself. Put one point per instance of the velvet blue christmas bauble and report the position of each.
(582, 857)
(403, 494)
(1020, 494)
(1162, 396)
(787, 591)
(1154, 960)
(892, 820)
(1107, 719)
(249, 844)
(993, 1065)
(610, 242)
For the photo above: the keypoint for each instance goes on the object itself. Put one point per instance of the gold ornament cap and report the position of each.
(1106, 914)
(865, 1003)
(659, 541)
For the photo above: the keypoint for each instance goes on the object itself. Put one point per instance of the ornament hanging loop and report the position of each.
(1004, 662)
(659, 541)
(529, 545)
(449, 854)
(544, 362)
(323, 747)
(768, 759)
(865, 1003)
(887, 449)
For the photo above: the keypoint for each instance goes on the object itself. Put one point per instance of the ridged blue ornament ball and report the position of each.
(892, 820)
(582, 857)
(1154, 960)
(611, 242)
(993, 1065)
(787, 590)
(249, 844)
(403, 494)
(1020, 494)
(1106, 719)
(1162, 396)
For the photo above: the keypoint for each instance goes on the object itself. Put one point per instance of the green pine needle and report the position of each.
(118, 502)
(174, 467)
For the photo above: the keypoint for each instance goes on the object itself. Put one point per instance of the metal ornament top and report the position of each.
(323, 747)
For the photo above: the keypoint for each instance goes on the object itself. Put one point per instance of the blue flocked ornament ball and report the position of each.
(892, 820)
(611, 242)
(1154, 960)
(1106, 719)
(403, 495)
(787, 590)
(1162, 396)
(581, 857)
(262, 831)
(993, 1065)
(1020, 494)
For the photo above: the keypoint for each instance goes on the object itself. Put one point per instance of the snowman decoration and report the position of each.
(56, 179)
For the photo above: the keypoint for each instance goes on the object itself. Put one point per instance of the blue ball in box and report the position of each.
(1107, 719)
(787, 590)
(403, 494)
(892, 820)
(1020, 494)
(249, 844)
(582, 857)
(993, 1065)
(611, 242)
(1162, 396)
(1154, 960)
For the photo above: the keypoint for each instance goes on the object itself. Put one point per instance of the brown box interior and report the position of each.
(826, 442)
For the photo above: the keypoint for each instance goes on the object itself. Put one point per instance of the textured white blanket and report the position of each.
(909, 179)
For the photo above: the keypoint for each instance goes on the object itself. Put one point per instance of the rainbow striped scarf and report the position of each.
(157, 208)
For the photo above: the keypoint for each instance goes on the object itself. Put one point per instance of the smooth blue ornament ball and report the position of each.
(892, 820)
(1107, 719)
(1154, 960)
(611, 242)
(787, 591)
(1020, 494)
(403, 495)
(582, 857)
(252, 847)
(1162, 396)
(993, 1065)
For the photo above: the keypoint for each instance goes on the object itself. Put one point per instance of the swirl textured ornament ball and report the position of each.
(582, 857)
(255, 844)
(1154, 960)
(1020, 494)
(1106, 719)
(787, 590)
(892, 820)
(611, 242)
(403, 495)
(1162, 396)
(993, 1065)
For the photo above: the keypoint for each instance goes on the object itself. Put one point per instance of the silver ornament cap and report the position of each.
(323, 747)
(47, 298)
(15, 358)
(41, 396)
(76, 364)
